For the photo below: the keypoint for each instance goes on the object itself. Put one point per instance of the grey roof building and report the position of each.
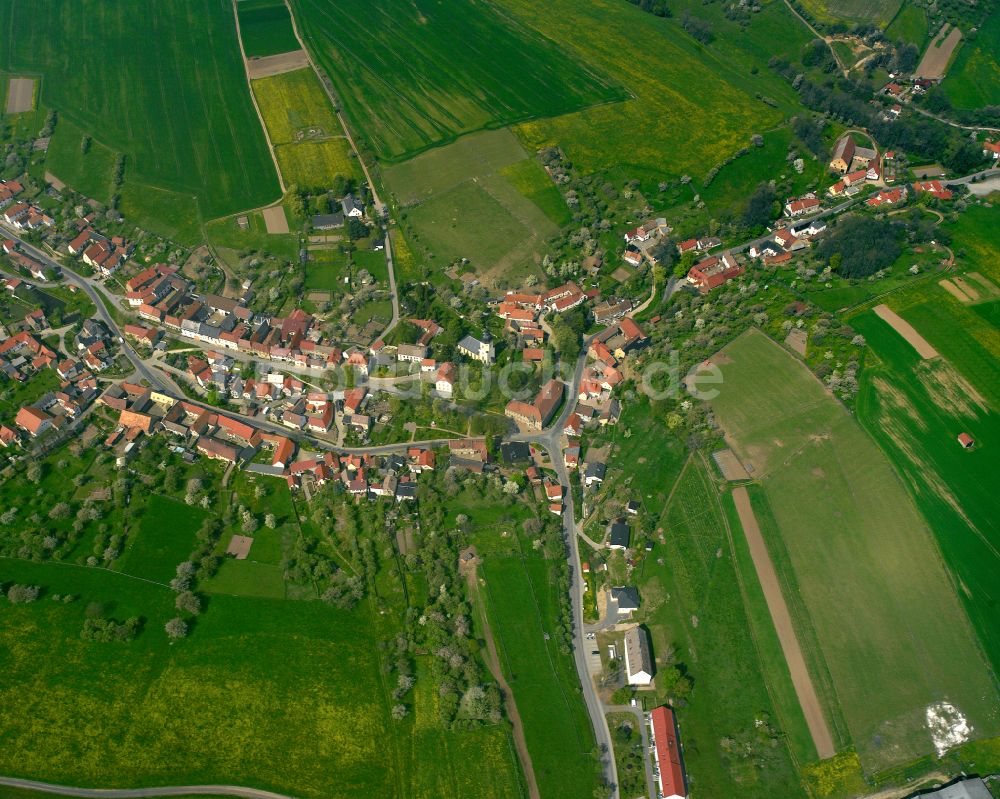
(620, 535)
(969, 788)
(625, 599)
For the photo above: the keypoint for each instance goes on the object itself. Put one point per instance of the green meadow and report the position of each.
(265, 28)
(522, 607)
(910, 25)
(871, 580)
(691, 105)
(178, 109)
(481, 198)
(874, 12)
(698, 599)
(973, 80)
(417, 75)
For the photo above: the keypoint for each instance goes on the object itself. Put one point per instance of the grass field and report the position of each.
(179, 110)
(522, 607)
(693, 105)
(165, 537)
(693, 602)
(910, 25)
(875, 12)
(858, 550)
(418, 75)
(916, 409)
(88, 173)
(326, 270)
(285, 696)
(973, 80)
(307, 137)
(480, 198)
(265, 28)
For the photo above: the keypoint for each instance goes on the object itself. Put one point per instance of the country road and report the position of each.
(136, 793)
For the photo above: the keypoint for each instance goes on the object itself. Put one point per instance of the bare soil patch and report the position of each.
(954, 291)
(730, 465)
(20, 95)
(621, 274)
(275, 220)
(239, 546)
(967, 287)
(796, 340)
(276, 64)
(802, 682)
(938, 54)
(53, 181)
(907, 331)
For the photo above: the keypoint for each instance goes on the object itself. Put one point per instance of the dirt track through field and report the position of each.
(782, 619)
(493, 662)
(20, 95)
(906, 330)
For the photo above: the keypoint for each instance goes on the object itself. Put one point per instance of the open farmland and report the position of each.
(480, 198)
(692, 105)
(858, 551)
(265, 28)
(295, 687)
(916, 409)
(522, 605)
(939, 52)
(974, 78)
(416, 75)
(872, 12)
(307, 138)
(910, 25)
(178, 110)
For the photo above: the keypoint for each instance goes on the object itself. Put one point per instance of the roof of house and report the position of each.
(668, 756)
(620, 534)
(968, 788)
(626, 597)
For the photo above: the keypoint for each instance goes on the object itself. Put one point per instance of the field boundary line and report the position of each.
(54, 562)
(785, 628)
(253, 99)
(134, 793)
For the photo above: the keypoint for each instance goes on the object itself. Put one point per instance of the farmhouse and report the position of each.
(538, 413)
(411, 352)
(667, 754)
(713, 272)
(801, 205)
(843, 154)
(887, 197)
(351, 207)
(638, 662)
(933, 188)
(991, 150)
(33, 421)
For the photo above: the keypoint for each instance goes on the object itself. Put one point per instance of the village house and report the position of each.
(713, 272)
(934, 188)
(797, 206)
(33, 421)
(537, 414)
(638, 661)
(667, 754)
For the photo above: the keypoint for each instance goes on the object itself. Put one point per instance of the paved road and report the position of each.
(953, 124)
(148, 374)
(135, 793)
(985, 173)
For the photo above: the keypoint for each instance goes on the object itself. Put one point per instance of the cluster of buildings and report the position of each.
(715, 270)
(934, 188)
(780, 247)
(887, 197)
(28, 263)
(198, 430)
(104, 254)
(21, 215)
(641, 241)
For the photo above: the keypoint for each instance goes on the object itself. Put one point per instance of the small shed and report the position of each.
(966, 440)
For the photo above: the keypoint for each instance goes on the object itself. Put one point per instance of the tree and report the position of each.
(270, 521)
(860, 246)
(188, 602)
(59, 511)
(34, 472)
(249, 525)
(176, 628)
(22, 594)
(760, 206)
(399, 712)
